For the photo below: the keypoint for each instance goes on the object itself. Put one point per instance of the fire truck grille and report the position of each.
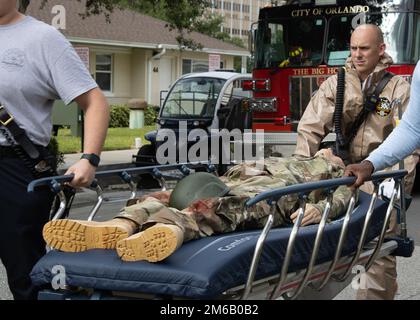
(301, 91)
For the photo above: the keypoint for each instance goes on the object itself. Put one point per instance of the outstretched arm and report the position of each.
(313, 211)
(96, 108)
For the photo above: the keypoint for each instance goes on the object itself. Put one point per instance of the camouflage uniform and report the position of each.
(205, 217)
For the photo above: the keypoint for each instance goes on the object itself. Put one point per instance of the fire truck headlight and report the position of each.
(267, 105)
(247, 85)
(262, 85)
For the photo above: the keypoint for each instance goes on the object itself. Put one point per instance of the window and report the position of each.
(227, 6)
(193, 97)
(236, 31)
(234, 90)
(189, 66)
(103, 74)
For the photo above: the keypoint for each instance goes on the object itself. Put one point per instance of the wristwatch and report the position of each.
(92, 158)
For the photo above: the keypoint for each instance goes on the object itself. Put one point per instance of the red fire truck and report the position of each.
(297, 45)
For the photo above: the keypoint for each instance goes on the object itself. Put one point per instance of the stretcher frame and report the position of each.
(323, 281)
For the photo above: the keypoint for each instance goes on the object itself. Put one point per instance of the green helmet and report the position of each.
(199, 185)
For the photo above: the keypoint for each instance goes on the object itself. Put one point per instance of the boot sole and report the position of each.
(153, 245)
(72, 236)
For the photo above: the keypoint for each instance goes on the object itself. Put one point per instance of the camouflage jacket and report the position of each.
(250, 179)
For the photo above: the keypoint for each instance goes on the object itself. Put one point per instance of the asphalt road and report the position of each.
(408, 275)
(407, 268)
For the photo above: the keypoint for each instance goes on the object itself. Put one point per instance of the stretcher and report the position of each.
(291, 262)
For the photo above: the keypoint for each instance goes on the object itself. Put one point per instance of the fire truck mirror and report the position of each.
(251, 40)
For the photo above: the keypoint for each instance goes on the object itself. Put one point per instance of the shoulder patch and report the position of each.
(383, 108)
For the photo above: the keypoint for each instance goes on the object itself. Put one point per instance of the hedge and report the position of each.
(120, 116)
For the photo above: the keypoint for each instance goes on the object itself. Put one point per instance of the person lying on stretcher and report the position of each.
(153, 226)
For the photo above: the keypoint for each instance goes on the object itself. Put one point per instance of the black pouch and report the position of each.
(47, 166)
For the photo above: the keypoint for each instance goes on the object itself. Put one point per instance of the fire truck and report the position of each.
(296, 46)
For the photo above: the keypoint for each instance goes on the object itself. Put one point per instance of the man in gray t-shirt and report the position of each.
(37, 66)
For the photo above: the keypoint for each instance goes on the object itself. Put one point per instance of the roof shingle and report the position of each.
(125, 27)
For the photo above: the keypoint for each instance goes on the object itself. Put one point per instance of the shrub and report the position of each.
(53, 147)
(119, 117)
(150, 115)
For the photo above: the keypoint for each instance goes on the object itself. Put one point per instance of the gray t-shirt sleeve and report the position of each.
(70, 76)
(38, 65)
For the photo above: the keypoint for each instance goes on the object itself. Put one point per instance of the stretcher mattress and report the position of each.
(207, 267)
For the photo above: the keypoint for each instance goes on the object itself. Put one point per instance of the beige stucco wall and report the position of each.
(139, 74)
(122, 70)
(134, 68)
(154, 78)
(121, 81)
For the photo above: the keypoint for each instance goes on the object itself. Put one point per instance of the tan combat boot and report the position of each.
(153, 244)
(79, 235)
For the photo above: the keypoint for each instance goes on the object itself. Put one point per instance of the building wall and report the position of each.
(122, 78)
(122, 71)
(139, 74)
(238, 15)
(155, 77)
(133, 69)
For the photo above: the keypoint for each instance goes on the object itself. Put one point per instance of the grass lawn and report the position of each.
(117, 139)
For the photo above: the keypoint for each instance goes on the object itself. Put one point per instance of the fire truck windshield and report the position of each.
(299, 42)
(290, 42)
(193, 98)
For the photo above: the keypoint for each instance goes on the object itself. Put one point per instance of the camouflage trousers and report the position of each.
(203, 217)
